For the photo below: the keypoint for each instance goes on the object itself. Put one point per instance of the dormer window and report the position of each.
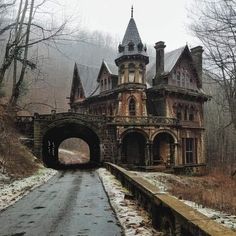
(121, 48)
(140, 47)
(131, 46)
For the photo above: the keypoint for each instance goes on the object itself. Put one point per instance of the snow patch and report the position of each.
(134, 219)
(12, 192)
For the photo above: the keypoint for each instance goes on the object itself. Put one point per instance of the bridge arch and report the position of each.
(55, 133)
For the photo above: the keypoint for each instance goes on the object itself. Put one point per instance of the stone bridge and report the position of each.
(100, 133)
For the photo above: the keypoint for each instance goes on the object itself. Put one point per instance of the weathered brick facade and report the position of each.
(154, 117)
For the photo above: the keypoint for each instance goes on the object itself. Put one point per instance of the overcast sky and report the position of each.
(156, 20)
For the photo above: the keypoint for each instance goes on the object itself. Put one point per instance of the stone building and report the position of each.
(156, 115)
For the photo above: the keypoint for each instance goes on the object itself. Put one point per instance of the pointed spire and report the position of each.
(132, 11)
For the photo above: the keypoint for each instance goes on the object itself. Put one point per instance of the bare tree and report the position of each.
(23, 34)
(214, 23)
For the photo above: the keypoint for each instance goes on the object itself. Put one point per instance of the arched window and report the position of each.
(105, 84)
(132, 107)
(122, 74)
(131, 72)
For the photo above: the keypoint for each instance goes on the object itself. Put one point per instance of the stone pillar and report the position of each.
(151, 153)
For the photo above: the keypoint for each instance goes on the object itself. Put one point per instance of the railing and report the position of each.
(143, 120)
(113, 120)
(58, 116)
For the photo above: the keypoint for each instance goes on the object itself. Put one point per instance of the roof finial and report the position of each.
(132, 11)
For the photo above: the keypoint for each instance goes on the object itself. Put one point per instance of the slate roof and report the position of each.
(113, 69)
(132, 36)
(88, 75)
(170, 59)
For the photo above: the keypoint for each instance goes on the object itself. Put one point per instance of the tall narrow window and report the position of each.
(185, 113)
(179, 113)
(191, 114)
(132, 107)
(189, 151)
(131, 73)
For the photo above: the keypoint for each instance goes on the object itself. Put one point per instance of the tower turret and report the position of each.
(132, 56)
(131, 61)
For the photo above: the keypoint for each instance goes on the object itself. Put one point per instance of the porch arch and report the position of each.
(164, 148)
(133, 147)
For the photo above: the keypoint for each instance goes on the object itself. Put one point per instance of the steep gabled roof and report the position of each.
(170, 60)
(111, 68)
(87, 76)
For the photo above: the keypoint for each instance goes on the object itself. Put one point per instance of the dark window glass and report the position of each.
(179, 114)
(189, 152)
(132, 109)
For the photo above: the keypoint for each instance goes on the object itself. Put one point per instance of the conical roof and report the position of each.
(132, 44)
(131, 34)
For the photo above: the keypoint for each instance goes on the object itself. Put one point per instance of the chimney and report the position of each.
(159, 46)
(197, 60)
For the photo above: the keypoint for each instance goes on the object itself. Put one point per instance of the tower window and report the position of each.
(132, 107)
(131, 72)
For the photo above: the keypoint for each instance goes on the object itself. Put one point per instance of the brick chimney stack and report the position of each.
(159, 46)
(196, 53)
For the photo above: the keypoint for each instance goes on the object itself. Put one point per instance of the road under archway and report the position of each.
(56, 135)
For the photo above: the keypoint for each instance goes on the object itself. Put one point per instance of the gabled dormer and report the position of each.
(180, 67)
(107, 77)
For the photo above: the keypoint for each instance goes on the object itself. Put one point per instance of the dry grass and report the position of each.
(215, 190)
(15, 159)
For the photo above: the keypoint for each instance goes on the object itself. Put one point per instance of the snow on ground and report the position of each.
(160, 180)
(10, 192)
(134, 219)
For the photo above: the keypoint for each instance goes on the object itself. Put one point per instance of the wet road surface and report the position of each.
(73, 203)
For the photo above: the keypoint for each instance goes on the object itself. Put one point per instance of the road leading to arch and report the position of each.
(73, 203)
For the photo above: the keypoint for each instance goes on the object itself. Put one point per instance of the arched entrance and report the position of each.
(133, 148)
(163, 149)
(56, 135)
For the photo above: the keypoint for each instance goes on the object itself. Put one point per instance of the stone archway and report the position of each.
(54, 136)
(133, 148)
(163, 149)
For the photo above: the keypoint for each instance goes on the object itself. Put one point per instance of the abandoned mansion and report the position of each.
(154, 114)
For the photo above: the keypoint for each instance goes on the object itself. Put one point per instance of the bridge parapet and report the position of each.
(58, 116)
